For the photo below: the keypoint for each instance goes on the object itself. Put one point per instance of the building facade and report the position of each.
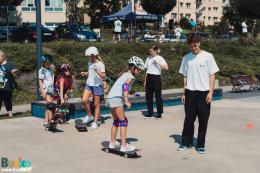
(53, 13)
(208, 12)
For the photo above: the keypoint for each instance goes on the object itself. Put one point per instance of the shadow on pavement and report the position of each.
(177, 139)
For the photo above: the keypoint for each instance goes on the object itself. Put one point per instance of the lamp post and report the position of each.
(38, 44)
(178, 2)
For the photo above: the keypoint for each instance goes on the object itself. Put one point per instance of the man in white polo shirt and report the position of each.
(198, 68)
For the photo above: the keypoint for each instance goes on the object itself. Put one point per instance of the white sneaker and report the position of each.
(114, 145)
(127, 148)
(87, 119)
(45, 123)
(94, 126)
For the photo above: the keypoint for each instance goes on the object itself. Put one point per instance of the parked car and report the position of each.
(75, 31)
(2, 35)
(27, 33)
(204, 35)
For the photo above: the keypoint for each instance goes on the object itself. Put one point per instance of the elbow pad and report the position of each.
(125, 87)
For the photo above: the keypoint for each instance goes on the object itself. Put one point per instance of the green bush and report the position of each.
(233, 57)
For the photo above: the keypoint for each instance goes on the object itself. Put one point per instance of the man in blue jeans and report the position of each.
(198, 68)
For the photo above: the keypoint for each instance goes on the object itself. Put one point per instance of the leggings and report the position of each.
(6, 96)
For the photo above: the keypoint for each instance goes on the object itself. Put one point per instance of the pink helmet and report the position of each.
(65, 67)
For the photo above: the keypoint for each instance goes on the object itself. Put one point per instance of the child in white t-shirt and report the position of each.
(46, 82)
(116, 98)
(94, 85)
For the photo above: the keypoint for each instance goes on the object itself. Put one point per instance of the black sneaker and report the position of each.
(182, 147)
(147, 116)
(201, 150)
(158, 116)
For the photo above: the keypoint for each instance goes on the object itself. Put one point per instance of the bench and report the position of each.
(240, 81)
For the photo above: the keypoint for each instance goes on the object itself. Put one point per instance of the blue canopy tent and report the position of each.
(129, 13)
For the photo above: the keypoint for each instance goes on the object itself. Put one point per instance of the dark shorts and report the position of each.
(96, 90)
(117, 32)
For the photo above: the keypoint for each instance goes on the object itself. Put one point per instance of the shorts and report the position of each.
(48, 92)
(96, 90)
(114, 102)
(117, 32)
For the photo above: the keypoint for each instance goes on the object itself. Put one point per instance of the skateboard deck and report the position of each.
(80, 126)
(52, 126)
(130, 154)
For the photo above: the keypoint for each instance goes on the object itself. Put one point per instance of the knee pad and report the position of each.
(123, 123)
(116, 123)
(51, 106)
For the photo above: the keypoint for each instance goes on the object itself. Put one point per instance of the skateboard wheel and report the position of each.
(125, 156)
(135, 154)
(107, 150)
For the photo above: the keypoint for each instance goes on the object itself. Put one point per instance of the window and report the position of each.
(174, 15)
(53, 5)
(28, 5)
(204, 17)
(188, 15)
(215, 9)
(209, 18)
(181, 4)
(215, 19)
(181, 15)
(10, 8)
(188, 5)
(209, 9)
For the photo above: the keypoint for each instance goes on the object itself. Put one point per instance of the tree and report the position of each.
(4, 13)
(10, 2)
(248, 8)
(96, 9)
(184, 23)
(241, 10)
(158, 7)
(72, 10)
(6, 4)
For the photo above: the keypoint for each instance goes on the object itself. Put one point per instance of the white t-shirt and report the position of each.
(93, 78)
(118, 26)
(47, 78)
(117, 89)
(147, 35)
(244, 27)
(198, 69)
(178, 32)
(151, 65)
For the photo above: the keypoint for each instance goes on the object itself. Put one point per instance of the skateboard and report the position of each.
(52, 126)
(130, 154)
(80, 126)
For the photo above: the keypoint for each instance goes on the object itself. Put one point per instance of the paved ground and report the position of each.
(231, 146)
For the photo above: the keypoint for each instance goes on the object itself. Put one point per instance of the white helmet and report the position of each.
(91, 51)
(136, 61)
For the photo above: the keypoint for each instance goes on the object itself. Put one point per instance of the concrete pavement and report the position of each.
(231, 146)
